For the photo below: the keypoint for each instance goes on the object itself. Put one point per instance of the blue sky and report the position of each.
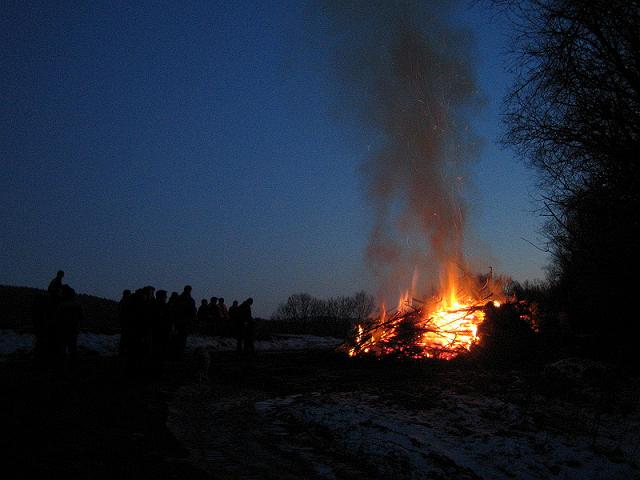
(197, 142)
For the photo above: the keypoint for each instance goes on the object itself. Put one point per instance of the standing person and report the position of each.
(124, 318)
(204, 316)
(160, 331)
(173, 310)
(236, 325)
(139, 343)
(186, 316)
(148, 313)
(248, 324)
(55, 287)
(214, 328)
(136, 332)
(69, 316)
(224, 316)
(50, 327)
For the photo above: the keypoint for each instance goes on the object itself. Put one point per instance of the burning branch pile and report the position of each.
(414, 334)
(440, 328)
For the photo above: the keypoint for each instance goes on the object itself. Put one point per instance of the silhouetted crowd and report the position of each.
(153, 325)
(216, 319)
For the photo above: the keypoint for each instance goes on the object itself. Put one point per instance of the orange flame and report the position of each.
(441, 327)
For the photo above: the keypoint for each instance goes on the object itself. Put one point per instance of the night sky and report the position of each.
(203, 143)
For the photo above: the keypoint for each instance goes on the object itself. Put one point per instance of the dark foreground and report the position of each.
(92, 424)
(316, 415)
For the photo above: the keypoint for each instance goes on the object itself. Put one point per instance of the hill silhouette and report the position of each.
(16, 306)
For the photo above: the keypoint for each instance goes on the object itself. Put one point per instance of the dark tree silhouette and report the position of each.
(302, 306)
(574, 113)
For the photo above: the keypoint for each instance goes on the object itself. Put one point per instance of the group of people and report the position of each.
(57, 318)
(153, 328)
(216, 319)
(153, 325)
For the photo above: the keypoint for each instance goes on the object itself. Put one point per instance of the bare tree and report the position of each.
(574, 110)
(574, 113)
(303, 306)
(363, 305)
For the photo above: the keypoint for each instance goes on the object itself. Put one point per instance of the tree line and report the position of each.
(573, 113)
(302, 306)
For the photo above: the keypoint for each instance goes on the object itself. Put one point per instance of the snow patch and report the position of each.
(465, 436)
(101, 344)
(276, 342)
(12, 342)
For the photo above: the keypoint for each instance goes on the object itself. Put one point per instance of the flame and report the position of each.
(441, 327)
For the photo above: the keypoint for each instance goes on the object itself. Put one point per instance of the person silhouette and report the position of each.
(236, 325)
(55, 292)
(69, 316)
(160, 331)
(55, 286)
(124, 317)
(224, 312)
(248, 326)
(186, 315)
(214, 312)
(204, 316)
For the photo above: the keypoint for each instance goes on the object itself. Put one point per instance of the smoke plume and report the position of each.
(409, 77)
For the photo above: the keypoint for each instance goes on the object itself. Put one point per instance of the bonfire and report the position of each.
(439, 327)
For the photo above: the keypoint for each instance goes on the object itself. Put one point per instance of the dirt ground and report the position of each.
(254, 418)
(97, 423)
(92, 424)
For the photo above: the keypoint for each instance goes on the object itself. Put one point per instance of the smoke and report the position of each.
(408, 76)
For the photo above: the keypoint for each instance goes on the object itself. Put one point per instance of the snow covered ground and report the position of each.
(12, 342)
(463, 436)
(277, 342)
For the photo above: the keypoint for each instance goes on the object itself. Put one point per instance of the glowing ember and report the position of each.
(438, 328)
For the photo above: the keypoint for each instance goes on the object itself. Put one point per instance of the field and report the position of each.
(318, 414)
